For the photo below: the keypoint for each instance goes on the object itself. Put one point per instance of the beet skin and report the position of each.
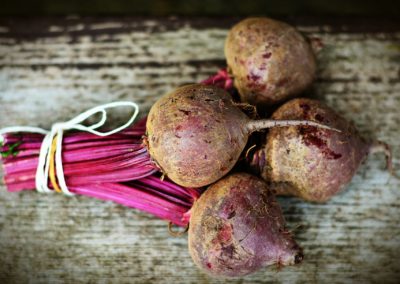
(308, 162)
(270, 61)
(196, 134)
(237, 227)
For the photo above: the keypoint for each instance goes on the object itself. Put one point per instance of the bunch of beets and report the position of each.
(202, 160)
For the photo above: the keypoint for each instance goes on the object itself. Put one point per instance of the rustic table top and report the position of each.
(51, 69)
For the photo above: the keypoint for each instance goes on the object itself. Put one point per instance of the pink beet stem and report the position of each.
(133, 197)
(221, 79)
(156, 192)
(82, 167)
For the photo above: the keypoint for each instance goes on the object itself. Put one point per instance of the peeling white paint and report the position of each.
(103, 26)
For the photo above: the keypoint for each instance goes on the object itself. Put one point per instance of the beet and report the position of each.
(196, 134)
(270, 61)
(237, 227)
(309, 162)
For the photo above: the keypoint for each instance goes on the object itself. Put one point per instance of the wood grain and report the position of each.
(52, 69)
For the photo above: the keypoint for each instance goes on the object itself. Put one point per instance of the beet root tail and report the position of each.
(382, 147)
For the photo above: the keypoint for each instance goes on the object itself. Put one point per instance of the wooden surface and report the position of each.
(52, 69)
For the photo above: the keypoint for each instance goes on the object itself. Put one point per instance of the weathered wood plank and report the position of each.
(65, 66)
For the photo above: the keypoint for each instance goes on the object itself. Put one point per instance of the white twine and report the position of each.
(56, 132)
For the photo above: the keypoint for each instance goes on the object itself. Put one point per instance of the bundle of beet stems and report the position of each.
(116, 167)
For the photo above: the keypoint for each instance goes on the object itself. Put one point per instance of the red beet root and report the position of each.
(196, 133)
(270, 61)
(237, 227)
(312, 163)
